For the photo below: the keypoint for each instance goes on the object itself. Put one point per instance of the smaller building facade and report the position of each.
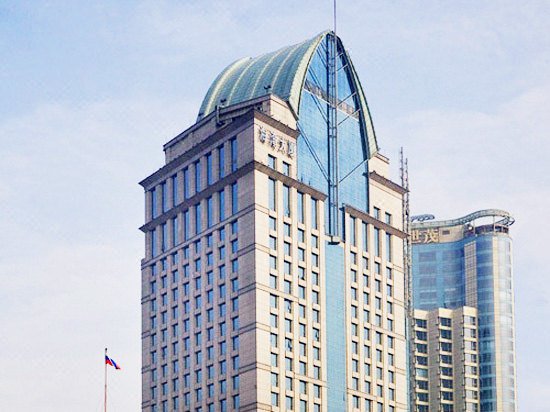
(446, 360)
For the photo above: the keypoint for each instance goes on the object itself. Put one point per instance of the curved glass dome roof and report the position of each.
(283, 73)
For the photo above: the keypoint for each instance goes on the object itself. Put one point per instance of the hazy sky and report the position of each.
(89, 92)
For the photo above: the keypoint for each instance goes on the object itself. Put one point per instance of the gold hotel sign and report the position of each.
(425, 236)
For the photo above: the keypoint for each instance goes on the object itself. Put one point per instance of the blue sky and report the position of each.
(89, 92)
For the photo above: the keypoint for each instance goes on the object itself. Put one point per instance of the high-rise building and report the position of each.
(446, 372)
(467, 262)
(273, 272)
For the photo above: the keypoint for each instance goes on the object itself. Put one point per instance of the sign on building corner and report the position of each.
(278, 143)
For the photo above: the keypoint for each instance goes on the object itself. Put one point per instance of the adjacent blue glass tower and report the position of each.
(468, 262)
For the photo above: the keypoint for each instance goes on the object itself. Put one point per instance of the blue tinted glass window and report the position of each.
(175, 198)
(234, 198)
(314, 216)
(233, 143)
(186, 183)
(153, 242)
(175, 234)
(198, 217)
(186, 230)
(154, 208)
(376, 241)
(286, 200)
(209, 171)
(197, 176)
(221, 161)
(221, 198)
(300, 207)
(209, 213)
(164, 196)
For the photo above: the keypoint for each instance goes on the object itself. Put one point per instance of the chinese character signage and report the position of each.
(425, 236)
(277, 143)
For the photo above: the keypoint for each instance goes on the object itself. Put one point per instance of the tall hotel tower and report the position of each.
(464, 317)
(273, 270)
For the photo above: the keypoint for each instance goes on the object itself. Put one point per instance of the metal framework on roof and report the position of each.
(283, 73)
(500, 217)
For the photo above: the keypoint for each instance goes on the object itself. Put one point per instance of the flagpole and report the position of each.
(105, 397)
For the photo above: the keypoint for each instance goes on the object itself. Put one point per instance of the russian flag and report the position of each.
(109, 361)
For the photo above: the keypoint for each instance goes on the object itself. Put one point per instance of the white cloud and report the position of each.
(69, 266)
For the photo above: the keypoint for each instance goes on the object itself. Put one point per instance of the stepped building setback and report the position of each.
(273, 274)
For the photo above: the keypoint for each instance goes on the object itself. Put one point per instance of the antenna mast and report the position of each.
(409, 330)
(332, 123)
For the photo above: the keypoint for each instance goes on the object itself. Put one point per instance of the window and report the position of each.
(186, 225)
(164, 197)
(175, 198)
(154, 208)
(271, 162)
(221, 161)
(314, 216)
(286, 168)
(376, 241)
(286, 200)
(352, 235)
(153, 242)
(197, 176)
(376, 213)
(209, 171)
(233, 143)
(365, 237)
(272, 187)
(388, 247)
(186, 193)
(198, 219)
(221, 205)
(164, 237)
(209, 212)
(234, 198)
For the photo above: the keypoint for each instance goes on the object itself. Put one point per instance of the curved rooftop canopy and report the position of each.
(500, 217)
(283, 73)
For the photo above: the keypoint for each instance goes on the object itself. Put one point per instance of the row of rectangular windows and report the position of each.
(195, 218)
(197, 167)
